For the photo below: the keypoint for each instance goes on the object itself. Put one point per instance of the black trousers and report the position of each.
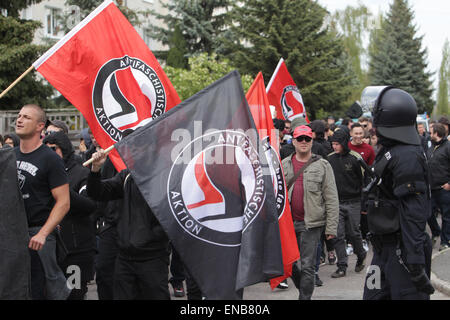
(176, 268)
(105, 262)
(364, 226)
(37, 277)
(387, 279)
(142, 280)
(85, 261)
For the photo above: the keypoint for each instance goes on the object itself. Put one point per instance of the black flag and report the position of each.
(14, 256)
(199, 169)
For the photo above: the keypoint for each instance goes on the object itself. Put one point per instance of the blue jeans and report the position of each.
(303, 272)
(47, 279)
(442, 199)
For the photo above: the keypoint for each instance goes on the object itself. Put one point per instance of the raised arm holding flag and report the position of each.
(105, 69)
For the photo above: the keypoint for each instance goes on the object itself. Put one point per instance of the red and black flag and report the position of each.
(105, 69)
(199, 169)
(14, 255)
(283, 93)
(259, 107)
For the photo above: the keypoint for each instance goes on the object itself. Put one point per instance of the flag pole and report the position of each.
(108, 150)
(16, 81)
(274, 74)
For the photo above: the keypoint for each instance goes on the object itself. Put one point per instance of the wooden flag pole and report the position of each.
(107, 150)
(16, 81)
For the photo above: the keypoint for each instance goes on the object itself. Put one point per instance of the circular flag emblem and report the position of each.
(216, 191)
(276, 173)
(127, 93)
(292, 102)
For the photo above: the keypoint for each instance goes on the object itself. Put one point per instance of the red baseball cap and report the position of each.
(302, 131)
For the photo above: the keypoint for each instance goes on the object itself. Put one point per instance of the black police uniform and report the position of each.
(398, 205)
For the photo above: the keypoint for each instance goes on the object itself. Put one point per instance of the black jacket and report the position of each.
(141, 237)
(439, 162)
(325, 144)
(348, 173)
(404, 184)
(77, 227)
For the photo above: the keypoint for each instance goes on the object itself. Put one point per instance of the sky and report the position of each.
(432, 19)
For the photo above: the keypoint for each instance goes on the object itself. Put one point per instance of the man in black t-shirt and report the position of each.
(45, 190)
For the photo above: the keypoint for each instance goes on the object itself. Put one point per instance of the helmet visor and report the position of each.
(369, 96)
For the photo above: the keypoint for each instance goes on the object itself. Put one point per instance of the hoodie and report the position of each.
(77, 227)
(347, 170)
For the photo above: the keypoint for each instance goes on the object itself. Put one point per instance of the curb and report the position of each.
(439, 284)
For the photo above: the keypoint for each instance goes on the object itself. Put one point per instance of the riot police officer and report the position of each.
(398, 204)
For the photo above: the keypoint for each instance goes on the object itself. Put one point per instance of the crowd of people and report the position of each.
(95, 218)
(350, 149)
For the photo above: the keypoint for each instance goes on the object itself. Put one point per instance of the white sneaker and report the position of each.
(283, 285)
(365, 245)
(349, 249)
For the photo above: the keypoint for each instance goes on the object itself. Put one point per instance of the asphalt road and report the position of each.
(349, 287)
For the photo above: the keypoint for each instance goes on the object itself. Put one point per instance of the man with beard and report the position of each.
(314, 204)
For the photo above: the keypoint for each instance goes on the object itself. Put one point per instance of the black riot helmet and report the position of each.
(395, 114)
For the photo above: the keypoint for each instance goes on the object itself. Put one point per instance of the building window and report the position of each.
(52, 24)
(27, 14)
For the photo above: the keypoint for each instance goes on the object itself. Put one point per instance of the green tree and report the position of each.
(18, 54)
(203, 70)
(13, 7)
(77, 10)
(200, 23)
(353, 23)
(268, 30)
(444, 77)
(397, 57)
(177, 55)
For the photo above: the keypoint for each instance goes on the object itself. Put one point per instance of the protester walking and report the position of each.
(45, 189)
(77, 227)
(349, 176)
(314, 204)
(439, 161)
(141, 270)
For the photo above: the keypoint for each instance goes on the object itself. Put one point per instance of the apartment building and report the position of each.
(49, 11)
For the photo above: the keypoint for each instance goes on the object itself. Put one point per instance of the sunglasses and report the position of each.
(53, 148)
(304, 138)
(48, 132)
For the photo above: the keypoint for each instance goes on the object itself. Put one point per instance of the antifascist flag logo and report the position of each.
(127, 90)
(284, 95)
(111, 76)
(208, 188)
(259, 108)
(292, 102)
(222, 190)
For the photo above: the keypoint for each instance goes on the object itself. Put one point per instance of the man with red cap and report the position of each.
(314, 203)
